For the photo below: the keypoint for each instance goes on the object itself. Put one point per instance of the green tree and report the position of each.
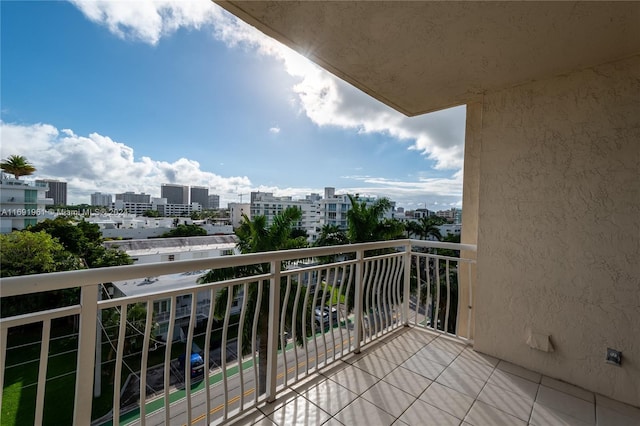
(331, 235)
(255, 236)
(366, 223)
(84, 240)
(151, 213)
(185, 231)
(425, 227)
(17, 165)
(26, 253)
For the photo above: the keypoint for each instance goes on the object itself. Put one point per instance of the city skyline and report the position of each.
(115, 99)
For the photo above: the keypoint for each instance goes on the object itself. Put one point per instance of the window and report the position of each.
(30, 195)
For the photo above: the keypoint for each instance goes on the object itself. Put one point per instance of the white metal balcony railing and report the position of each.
(310, 317)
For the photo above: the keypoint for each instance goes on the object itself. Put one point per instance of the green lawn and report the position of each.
(21, 373)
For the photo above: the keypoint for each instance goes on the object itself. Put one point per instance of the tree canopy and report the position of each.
(366, 223)
(185, 231)
(26, 253)
(425, 228)
(82, 239)
(17, 165)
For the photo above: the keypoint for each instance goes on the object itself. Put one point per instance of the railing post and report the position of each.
(359, 299)
(86, 355)
(407, 284)
(272, 343)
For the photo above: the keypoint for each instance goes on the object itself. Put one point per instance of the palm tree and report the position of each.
(17, 165)
(254, 237)
(424, 228)
(365, 223)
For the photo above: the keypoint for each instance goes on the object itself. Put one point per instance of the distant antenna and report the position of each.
(241, 195)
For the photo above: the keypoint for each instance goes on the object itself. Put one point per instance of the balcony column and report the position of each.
(469, 234)
(86, 355)
(357, 307)
(272, 343)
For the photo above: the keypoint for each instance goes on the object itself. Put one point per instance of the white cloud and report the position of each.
(274, 130)
(325, 99)
(98, 163)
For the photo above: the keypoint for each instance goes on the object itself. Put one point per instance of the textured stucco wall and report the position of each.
(559, 226)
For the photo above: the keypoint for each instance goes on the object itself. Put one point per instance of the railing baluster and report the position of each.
(243, 313)
(314, 326)
(272, 343)
(223, 351)
(4, 332)
(305, 341)
(470, 307)
(167, 360)
(42, 370)
(437, 315)
(294, 324)
(322, 327)
(406, 294)
(122, 331)
(283, 340)
(446, 312)
(419, 285)
(187, 358)
(145, 357)
(207, 351)
(358, 300)
(86, 355)
(347, 291)
(254, 339)
(339, 308)
(331, 307)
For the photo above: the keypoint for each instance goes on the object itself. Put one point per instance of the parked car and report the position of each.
(333, 311)
(197, 364)
(321, 318)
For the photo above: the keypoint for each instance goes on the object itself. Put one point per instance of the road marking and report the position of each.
(252, 390)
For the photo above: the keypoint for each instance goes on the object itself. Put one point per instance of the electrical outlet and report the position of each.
(614, 357)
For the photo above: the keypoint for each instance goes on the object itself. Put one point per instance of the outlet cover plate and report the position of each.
(614, 357)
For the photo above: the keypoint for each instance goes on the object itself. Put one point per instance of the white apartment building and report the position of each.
(22, 203)
(157, 204)
(316, 210)
(333, 208)
(265, 204)
(236, 210)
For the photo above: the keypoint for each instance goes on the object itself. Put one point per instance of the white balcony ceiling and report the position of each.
(419, 57)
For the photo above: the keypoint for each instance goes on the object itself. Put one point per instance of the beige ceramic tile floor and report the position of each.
(419, 378)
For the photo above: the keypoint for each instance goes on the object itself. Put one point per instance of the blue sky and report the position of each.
(125, 96)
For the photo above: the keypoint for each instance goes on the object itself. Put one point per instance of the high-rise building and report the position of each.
(175, 194)
(200, 195)
(132, 197)
(214, 202)
(57, 191)
(100, 199)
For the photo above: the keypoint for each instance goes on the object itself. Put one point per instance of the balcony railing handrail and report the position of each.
(28, 284)
(377, 283)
